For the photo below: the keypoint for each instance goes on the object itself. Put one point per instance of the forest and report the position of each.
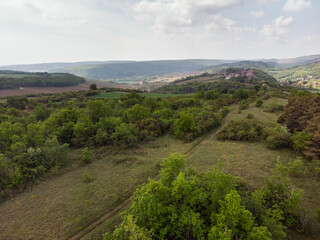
(16, 79)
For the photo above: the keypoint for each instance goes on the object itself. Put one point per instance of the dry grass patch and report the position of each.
(58, 207)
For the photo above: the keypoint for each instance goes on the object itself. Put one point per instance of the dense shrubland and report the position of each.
(31, 128)
(13, 79)
(212, 205)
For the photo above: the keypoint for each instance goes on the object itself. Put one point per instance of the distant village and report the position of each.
(307, 81)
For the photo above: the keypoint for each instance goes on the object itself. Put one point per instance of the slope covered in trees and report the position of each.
(14, 79)
(304, 76)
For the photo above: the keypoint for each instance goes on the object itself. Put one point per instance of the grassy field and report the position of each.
(118, 94)
(58, 207)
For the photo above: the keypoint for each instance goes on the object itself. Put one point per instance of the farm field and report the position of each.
(118, 94)
(36, 90)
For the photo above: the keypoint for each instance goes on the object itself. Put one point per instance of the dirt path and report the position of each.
(109, 215)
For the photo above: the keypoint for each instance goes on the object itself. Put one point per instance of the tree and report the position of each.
(93, 86)
(186, 205)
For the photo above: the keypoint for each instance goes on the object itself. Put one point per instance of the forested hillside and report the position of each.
(304, 76)
(14, 79)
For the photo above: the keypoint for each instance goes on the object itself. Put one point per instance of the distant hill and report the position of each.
(16, 79)
(134, 72)
(264, 66)
(53, 67)
(307, 75)
(138, 71)
(299, 60)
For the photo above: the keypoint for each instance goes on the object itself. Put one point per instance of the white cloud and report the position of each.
(257, 14)
(296, 5)
(180, 15)
(278, 28)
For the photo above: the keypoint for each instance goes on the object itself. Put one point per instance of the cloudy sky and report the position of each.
(34, 31)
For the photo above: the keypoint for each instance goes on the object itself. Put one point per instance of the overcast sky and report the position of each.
(34, 31)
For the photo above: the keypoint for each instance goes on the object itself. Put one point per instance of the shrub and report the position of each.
(274, 107)
(295, 168)
(93, 86)
(184, 127)
(86, 156)
(259, 103)
(277, 137)
(86, 178)
(299, 141)
(250, 116)
(125, 135)
(243, 105)
(242, 130)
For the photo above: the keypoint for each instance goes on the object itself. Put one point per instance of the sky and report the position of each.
(37, 31)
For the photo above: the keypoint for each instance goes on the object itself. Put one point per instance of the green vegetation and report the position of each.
(12, 79)
(307, 76)
(124, 123)
(213, 205)
(87, 157)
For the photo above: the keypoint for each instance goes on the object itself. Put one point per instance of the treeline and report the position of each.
(302, 117)
(212, 205)
(12, 79)
(35, 133)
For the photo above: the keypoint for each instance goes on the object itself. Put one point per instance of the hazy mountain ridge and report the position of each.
(138, 71)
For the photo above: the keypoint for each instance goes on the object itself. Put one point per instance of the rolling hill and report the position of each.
(138, 71)
(15, 79)
(307, 75)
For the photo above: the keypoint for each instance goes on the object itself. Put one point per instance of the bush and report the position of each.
(186, 205)
(93, 86)
(295, 168)
(184, 127)
(86, 156)
(277, 137)
(259, 103)
(242, 130)
(243, 105)
(299, 141)
(274, 107)
(86, 178)
(250, 116)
